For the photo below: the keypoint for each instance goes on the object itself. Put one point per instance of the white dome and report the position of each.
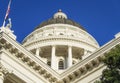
(60, 14)
(60, 43)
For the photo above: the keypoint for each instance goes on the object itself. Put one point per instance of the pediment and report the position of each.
(77, 71)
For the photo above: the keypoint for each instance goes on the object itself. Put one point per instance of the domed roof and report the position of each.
(59, 18)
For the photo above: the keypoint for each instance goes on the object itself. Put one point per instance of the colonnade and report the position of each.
(53, 56)
(54, 62)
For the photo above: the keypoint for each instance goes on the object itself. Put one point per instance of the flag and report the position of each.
(7, 13)
(8, 10)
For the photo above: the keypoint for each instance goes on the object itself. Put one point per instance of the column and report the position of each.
(53, 58)
(38, 53)
(85, 54)
(69, 56)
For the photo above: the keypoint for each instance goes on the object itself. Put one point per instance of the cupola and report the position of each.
(60, 14)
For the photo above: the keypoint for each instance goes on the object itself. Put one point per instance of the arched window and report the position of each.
(49, 34)
(72, 35)
(49, 63)
(61, 64)
(61, 34)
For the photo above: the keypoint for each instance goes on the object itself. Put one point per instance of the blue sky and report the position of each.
(101, 18)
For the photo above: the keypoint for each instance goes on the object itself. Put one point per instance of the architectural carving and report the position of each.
(3, 73)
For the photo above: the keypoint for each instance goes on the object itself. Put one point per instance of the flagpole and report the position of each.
(7, 13)
(3, 24)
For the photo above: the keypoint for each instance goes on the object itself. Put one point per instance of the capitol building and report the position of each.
(59, 50)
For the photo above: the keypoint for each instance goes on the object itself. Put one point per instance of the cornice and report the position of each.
(58, 38)
(54, 26)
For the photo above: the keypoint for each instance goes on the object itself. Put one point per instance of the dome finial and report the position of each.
(60, 14)
(59, 10)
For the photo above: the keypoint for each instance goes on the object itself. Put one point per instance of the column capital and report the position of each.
(69, 45)
(53, 45)
(39, 48)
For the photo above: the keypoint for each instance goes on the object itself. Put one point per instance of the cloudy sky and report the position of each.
(101, 18)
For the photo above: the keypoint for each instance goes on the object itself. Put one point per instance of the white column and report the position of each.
(86, 54)
(38, 50)
(69, 56)
(38, 53)
(53, 58)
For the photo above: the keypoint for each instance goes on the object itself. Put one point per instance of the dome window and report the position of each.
(61, 64)
(49, 34)
(61, 34)
(72, 35)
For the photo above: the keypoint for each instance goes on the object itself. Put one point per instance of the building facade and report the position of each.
(59, 50)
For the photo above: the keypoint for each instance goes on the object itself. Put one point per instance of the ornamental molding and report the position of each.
(78, 33)
(79, 70)
(54, 26)
(55, 38)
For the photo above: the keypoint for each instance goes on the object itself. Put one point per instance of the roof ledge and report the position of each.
(117, 35)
